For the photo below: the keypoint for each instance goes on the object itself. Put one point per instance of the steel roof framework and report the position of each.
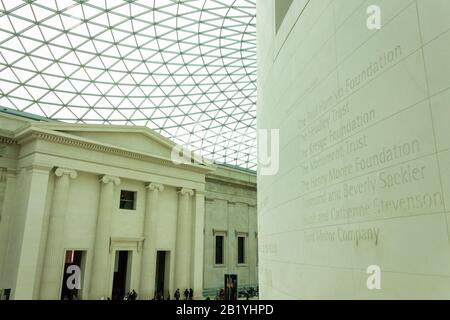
(186, 69)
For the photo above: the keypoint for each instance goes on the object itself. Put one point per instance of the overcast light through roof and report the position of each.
(184, 68)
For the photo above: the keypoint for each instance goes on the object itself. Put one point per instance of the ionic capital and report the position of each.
(186, 191)
(107, 179)
(151, 186)
(59, 172)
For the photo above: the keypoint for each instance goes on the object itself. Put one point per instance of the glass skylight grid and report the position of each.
(186, 69)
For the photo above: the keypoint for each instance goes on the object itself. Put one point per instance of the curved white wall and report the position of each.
(364, 176)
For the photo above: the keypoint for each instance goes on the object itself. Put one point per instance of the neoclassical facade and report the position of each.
(231, 233)
(107, 200)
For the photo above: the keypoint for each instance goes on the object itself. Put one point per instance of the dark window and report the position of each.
(241, 250)
(281, 8)
(127, 200)
(219, 249)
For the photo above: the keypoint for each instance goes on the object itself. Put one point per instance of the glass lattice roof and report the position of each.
(186, 69)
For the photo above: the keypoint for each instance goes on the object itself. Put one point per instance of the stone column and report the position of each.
(6, 218)
(30, 201)
(183, 241)
(198, 244)
(54, 252)
(148, 269)
(100, 264)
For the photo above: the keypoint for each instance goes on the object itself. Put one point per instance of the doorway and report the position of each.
(162, 273)
(121, 279)
(72, 277)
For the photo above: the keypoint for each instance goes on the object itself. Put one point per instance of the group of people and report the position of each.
(188, 294)
(129, 296)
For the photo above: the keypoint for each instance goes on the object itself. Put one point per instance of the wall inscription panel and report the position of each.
(364, 175)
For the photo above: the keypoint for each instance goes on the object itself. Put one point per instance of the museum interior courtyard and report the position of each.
(212, 149)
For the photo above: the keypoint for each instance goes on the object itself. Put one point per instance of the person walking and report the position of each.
(186, 294)
(191, 294)
(177, 294)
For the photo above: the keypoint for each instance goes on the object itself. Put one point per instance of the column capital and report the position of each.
(186, 191)
(59, 172)
(107, 179)
(151, 186)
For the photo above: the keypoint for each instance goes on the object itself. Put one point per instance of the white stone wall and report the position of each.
(342, 96)
(230, 210)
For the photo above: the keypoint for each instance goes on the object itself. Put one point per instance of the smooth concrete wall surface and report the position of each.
(364, 156)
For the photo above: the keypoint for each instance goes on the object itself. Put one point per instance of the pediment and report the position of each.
(137, 139)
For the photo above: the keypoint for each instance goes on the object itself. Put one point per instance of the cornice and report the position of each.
(68, 127)
(214, 178)
(7, 140)
(86, 145)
